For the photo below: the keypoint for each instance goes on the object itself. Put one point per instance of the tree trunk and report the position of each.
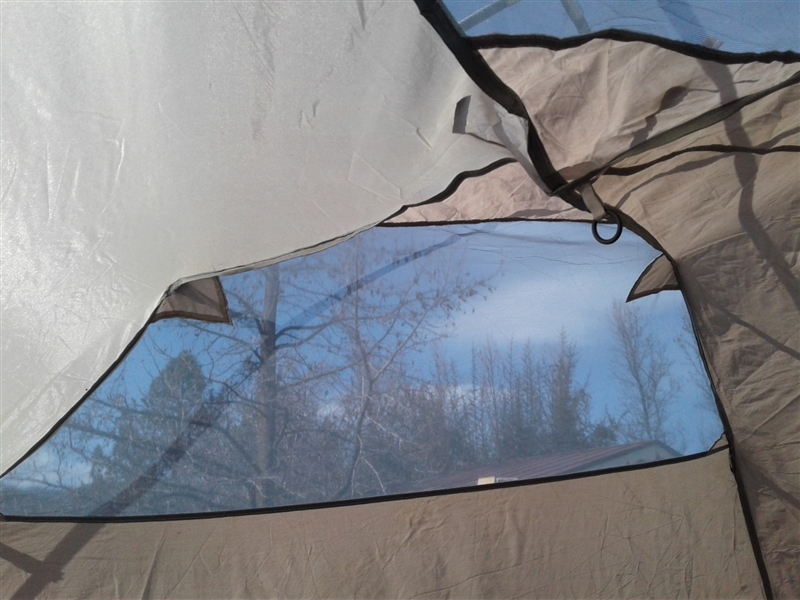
(267, 391)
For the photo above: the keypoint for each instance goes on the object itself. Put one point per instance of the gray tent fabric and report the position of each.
(175, 140)
(664, 532)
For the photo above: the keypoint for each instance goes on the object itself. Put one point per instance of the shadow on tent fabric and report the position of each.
(50, 569)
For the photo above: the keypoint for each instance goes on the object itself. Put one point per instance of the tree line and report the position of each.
(351, 397)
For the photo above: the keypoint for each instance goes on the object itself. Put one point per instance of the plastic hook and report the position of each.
(612, 217)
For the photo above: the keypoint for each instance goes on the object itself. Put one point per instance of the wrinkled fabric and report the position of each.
(147, 143)
(657, 277)
(673, 531)
(203, 300)
(722, 202)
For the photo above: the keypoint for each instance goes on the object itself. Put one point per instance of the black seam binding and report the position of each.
(448, 191)
(747, 511)
(479, 71)
(620, 35)
(587, 220)
(370, 500)
(709, 148)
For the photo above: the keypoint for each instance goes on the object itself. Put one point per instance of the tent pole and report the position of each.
(488, 11)
(576, 16)
(479, 16)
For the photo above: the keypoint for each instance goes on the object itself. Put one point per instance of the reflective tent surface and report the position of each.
(718, 199)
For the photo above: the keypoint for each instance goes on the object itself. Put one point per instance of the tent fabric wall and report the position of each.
(179, 154)
(738, 269)
(591, 103)
(670, 531)
(149, 143)
(726, 217)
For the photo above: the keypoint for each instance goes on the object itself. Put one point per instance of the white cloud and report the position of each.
(547, 283)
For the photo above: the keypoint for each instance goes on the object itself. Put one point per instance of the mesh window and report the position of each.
(405, 359)
(733, 26)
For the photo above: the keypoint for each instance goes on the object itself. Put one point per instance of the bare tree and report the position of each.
(311, 396)
(518, 404)
(643, 367)
(523, 426)
(705, 402)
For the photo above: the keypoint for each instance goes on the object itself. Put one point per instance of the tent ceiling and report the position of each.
(146, 143)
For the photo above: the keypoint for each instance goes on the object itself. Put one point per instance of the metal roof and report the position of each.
(538, 467)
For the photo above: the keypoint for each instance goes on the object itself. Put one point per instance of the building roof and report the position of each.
(538, 467)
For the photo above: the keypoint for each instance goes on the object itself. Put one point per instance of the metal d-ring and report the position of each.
(613, 217)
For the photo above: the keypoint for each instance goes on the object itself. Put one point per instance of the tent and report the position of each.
(150, 145)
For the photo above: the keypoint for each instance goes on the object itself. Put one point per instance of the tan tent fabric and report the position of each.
(658, 276)
(737, 261)
(505, 193)
(203, 300)
(674, 531)
(728, 220)
(149, 142)
(593, 102)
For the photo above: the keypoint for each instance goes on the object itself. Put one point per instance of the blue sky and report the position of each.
(553, 276)
(741, 25)
(545, 277)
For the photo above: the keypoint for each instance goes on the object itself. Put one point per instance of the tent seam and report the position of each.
(747, 512)
(364, 501)
(487, 42)
(476, 67)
